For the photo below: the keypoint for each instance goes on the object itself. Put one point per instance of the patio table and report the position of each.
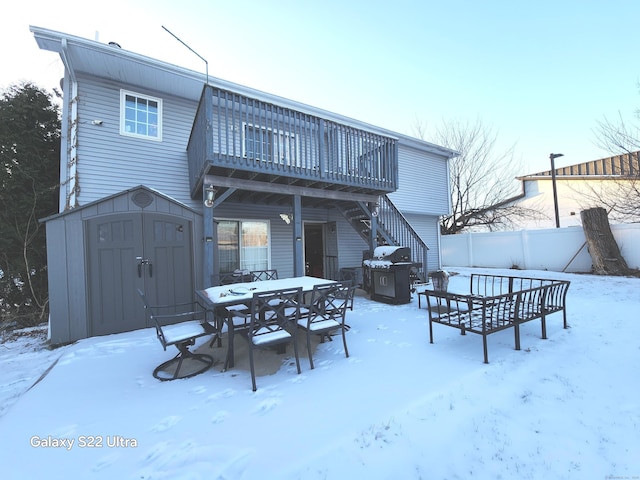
(220, 297)
(241, 293)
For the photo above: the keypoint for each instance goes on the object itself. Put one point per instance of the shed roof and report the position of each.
(136, 190)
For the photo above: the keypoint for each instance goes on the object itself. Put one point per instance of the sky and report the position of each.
(540, 75)
(398, 408)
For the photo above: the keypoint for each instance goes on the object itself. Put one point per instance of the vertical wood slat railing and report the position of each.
(238, 132)
(399, 228)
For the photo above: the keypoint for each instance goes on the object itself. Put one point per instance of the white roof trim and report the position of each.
(63, 43)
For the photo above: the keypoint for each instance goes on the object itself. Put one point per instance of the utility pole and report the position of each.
(552, 157)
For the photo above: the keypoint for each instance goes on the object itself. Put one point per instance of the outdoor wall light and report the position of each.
(96, 122)
(286, 217)
(209, 194)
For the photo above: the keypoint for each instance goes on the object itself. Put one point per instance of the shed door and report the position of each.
(134, 250)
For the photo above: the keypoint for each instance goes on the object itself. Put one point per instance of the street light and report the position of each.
(552, 157)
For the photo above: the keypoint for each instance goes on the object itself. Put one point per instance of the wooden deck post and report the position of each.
(298, 257)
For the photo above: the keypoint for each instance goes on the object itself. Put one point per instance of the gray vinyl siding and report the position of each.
(109, 162)
(427, 227)
(423, 182)
(350, 245)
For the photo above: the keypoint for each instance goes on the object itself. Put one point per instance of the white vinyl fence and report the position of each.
(557, 249)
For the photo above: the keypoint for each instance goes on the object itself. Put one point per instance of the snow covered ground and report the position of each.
(397, 408)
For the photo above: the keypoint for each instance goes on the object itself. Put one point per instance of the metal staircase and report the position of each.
(392, 228)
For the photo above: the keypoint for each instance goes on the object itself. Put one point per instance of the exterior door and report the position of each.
(152, 252)
(321, 250)
(314, 250)
(331, 251)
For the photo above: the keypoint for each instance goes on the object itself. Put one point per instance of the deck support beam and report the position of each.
(298, 244)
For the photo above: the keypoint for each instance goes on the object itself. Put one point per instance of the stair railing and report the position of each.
(400, 230)
(392, 227)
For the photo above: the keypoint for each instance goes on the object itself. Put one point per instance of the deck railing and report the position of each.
(391, 220)
(241, 133)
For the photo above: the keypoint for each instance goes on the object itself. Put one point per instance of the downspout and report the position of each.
(63, 169)
(69, 175)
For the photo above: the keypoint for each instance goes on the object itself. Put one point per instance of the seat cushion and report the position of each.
(266, 338)
(237, 308)
(320, 326)
(182, 331)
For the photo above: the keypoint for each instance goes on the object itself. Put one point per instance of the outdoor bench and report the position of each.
(497, 302)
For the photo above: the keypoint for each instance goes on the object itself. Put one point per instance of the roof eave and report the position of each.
(61, 42)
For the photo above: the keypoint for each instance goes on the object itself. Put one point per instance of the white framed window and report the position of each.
(243, 245)
(262, 143)
(140, 116)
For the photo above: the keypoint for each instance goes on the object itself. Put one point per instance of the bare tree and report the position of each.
(618, 136)
(483, 185)
(620, 195)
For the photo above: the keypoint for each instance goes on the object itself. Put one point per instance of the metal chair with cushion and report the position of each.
(180, 325)
(271, 320)
(325, 313)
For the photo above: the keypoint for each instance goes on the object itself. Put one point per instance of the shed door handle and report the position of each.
(140, 262)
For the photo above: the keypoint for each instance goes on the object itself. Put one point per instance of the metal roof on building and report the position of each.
(625, 165)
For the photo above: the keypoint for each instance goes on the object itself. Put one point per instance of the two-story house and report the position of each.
(170, 179)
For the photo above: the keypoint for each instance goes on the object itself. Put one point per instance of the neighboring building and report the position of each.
(578, 188)
(169, 181)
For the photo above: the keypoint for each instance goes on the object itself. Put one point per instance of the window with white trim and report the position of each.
(243, 245)
(140, 116)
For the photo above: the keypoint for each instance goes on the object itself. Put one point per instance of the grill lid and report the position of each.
(392, 254)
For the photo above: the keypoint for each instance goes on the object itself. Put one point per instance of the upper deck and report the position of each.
(238, 141)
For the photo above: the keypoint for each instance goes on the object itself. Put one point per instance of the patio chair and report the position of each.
(325, 313)
(179, 325)
(260, 275)
(238, 320)
(237, 276)
(271, 322)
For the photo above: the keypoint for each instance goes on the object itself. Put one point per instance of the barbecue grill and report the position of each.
(386, 274)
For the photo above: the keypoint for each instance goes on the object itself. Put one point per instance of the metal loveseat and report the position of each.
(497, 302)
